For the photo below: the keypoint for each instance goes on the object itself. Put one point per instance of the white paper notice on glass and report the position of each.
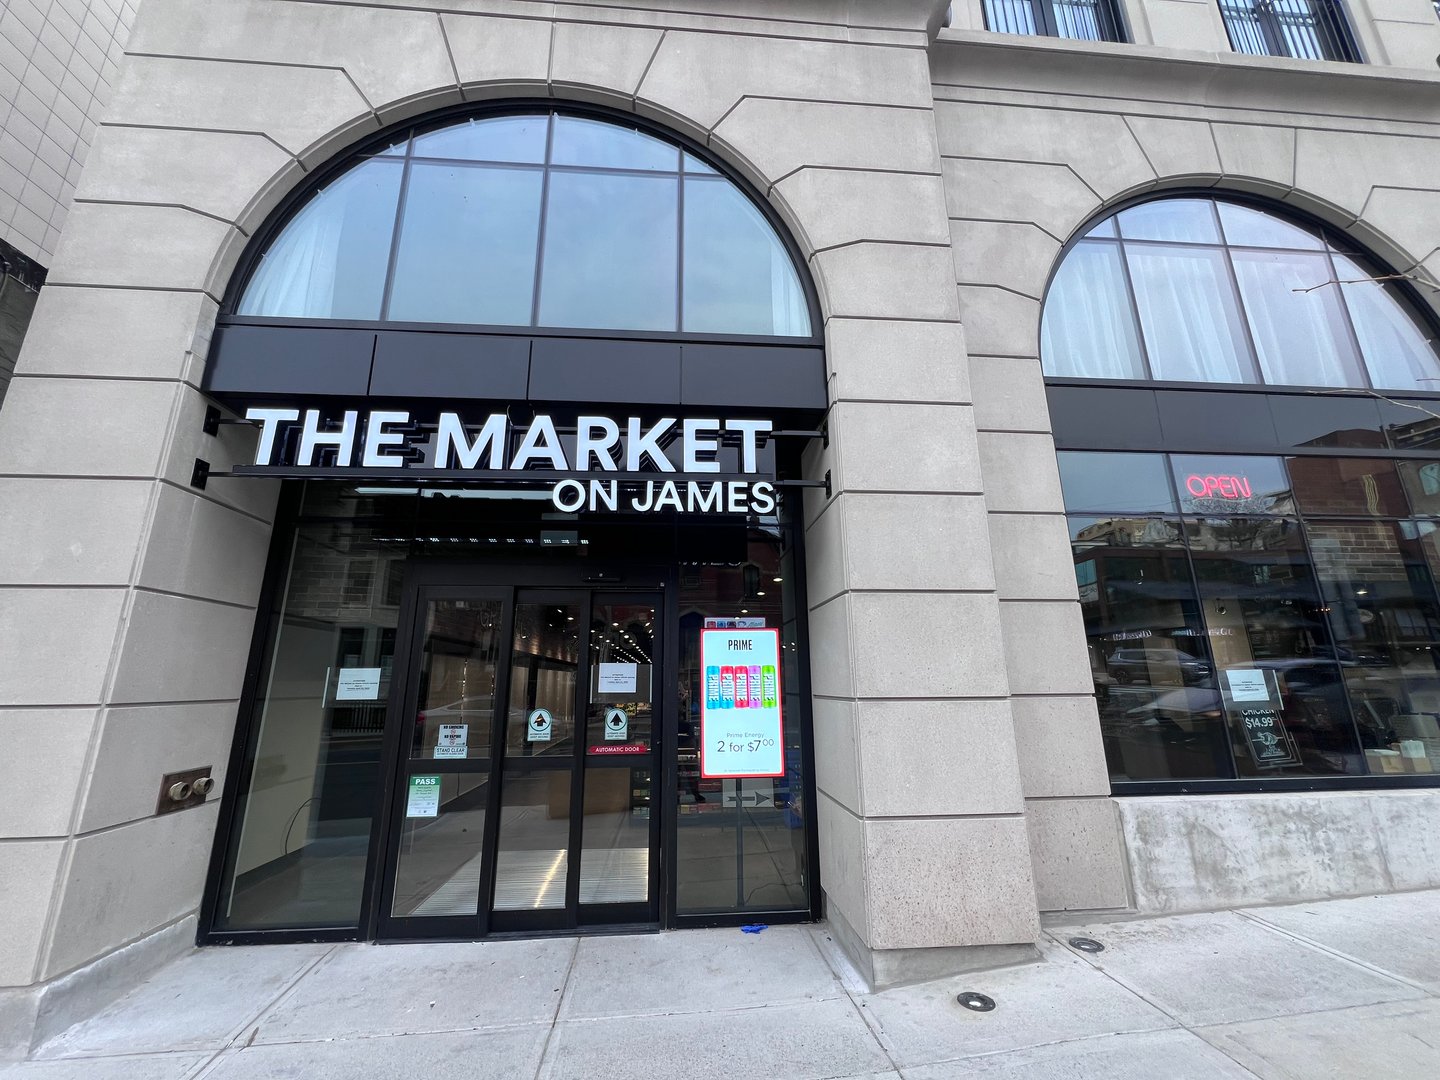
(1247, 684)
(617, 678)
(453, 740)
(357, 684)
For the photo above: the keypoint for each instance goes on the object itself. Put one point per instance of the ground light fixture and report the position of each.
(1085, 944)
(976, 1002)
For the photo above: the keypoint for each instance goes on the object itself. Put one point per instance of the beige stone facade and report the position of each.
(931, 178)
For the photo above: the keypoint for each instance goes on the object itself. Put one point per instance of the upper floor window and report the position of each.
(1215, 291)
(1087, 20)
(1301, 29)
(546, 219)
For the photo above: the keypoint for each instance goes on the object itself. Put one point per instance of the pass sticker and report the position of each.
(424, 797)
(741, 721)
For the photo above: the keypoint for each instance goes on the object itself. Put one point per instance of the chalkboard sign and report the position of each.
(1253, 703)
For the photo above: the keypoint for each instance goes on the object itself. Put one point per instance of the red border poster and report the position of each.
(742, 727)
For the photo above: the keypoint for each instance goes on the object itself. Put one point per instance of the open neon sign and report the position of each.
(1218, 487)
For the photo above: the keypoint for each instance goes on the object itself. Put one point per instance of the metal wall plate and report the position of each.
(178, 790)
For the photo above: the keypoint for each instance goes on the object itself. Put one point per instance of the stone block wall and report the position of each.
(1032, 150)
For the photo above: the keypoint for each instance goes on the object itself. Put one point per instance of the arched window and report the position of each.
(1219, 291)
(540, 219)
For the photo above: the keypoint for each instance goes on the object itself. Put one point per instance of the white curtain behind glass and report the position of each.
(1088, 330)
(297, 275)
(789, 313)
(1398, 355)
(1188, 313)
(1295, 319)
(329, 262)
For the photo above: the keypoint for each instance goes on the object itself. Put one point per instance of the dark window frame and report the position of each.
(1257, 28)
(1109, 17)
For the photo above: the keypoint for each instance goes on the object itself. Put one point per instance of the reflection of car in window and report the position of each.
(1141, 665)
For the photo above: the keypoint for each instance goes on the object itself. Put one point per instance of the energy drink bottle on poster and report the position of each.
(712, 687)
(727, 688)
(767, 681)
(742, 686)
(754, 686)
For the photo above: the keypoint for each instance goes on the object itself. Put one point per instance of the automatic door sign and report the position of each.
(741, 722)
(539, 725)
(617, 725)
(453, 740)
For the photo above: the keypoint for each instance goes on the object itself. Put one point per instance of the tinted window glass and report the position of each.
(1247, 227)
(1365, 486)
(1089, 327)
(1216, 484)
(1271, 302)
(600, 145)
(1190, 318)
(1295, 319)
(467, 245)
(330, 261)
(1421, 480)
(1383, 617)
(610, 252)
(1148, 655)
(1399, 352)
(1188, 220)
(1122, 483)
(504, 138)
(738, 276)
(470, 244)
(1277, 680)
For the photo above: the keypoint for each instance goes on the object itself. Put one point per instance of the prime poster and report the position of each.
(741, 726)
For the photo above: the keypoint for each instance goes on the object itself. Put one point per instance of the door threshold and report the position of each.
(613, 930)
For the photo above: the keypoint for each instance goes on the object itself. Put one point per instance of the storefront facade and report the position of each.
(541, 377)
(415, 392)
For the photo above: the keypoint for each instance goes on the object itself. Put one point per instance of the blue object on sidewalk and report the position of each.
(753, 928)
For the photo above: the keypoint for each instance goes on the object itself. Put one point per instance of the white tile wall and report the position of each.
(57, 64)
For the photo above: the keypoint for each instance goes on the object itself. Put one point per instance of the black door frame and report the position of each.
(646, 576)
(427, 577)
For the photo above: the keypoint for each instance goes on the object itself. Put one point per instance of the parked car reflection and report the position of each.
(1156, 665)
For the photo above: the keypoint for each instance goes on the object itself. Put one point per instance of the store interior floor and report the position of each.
(1343, 988)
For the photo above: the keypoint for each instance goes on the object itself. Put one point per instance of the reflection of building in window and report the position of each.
(1332, 602)
(20, 281)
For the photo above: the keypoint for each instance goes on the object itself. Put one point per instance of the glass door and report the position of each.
(438, 869)
(525, 779)
(538, 786)
(618, 824)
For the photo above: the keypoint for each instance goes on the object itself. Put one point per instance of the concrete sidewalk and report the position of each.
(1341, 989)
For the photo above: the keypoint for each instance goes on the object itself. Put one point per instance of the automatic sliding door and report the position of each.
(534, 841)
(445, 784)
(618, 830)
